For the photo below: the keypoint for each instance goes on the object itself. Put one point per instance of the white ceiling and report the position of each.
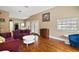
(27, 11)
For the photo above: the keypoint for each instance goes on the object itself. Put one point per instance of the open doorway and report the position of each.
(16, 26)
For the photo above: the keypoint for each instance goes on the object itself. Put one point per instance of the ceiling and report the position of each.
(23, 12)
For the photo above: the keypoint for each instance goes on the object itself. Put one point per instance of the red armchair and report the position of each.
(10, 44)
(7, 36)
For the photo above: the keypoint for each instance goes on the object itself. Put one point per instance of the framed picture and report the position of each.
(46, 17)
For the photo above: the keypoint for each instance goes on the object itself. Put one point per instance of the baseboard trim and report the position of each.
(57, 38)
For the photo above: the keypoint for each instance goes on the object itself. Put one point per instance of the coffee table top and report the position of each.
(28, 37)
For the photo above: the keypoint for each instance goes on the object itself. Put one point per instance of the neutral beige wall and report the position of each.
(5, 25)
(55, 13)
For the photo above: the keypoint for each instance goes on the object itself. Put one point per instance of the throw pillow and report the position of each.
(2, 39)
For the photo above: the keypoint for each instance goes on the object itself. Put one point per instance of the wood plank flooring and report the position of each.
(47, 45)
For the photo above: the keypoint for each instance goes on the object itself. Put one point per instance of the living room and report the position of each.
(53, 26)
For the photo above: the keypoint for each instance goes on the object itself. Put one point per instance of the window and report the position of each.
(67, 24)
(22, 24)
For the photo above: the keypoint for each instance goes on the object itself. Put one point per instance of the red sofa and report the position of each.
(10, 44)
(18, 34)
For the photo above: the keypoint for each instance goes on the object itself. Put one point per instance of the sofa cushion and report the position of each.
(11, 38)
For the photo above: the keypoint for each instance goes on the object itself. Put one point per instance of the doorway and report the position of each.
(16, 26)
(35, 27)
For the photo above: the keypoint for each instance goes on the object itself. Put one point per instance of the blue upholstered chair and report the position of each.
(74, 40)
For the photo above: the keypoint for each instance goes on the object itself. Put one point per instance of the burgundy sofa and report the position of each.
(18, 34)
(7, 36)
(10, 44)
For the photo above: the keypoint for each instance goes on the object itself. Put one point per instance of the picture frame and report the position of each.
(46, 17)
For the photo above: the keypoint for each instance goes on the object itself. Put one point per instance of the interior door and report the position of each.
(35, 27)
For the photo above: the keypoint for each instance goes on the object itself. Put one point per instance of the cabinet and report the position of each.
(44, 33)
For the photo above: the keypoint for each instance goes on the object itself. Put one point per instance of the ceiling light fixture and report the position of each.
(19, 11)
(26, 6)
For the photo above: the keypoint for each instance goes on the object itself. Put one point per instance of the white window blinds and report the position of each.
(67, 24)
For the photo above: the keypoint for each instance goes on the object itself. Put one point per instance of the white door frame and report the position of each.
(35, 27)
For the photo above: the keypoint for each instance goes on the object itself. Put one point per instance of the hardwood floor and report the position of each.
(47, 45)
